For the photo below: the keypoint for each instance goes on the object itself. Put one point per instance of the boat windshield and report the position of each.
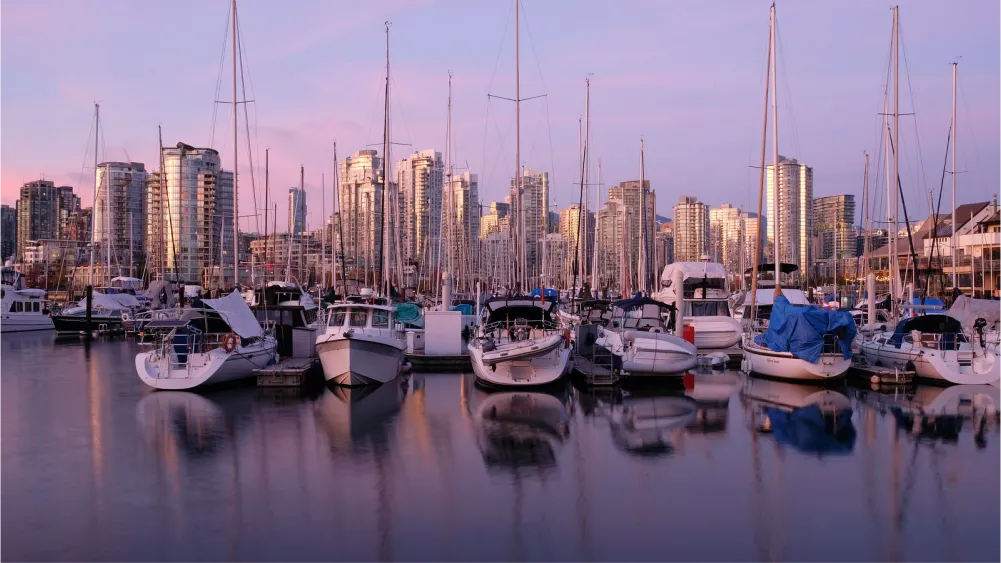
(337, 317)
(706, 309)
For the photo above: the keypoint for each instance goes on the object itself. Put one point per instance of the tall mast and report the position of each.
(896, 128)
(587, 178)
(323, 229)
(577, 250)
(93, 223)
(644, 276)
(236, 183)
(597, 204)
(775, 155)
(266, 213)
(868, 219)
(384, 267)
(954, 222)
(340, 227)
(520, 239)
(162, 251)
(761, 186)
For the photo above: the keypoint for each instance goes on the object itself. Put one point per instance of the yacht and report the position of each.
(706, 308)
(936, 347)
(21, 309)
(519, 343)
(639, 342)
(293, 311)
(213, 341)
(361, 344)
(109, 311)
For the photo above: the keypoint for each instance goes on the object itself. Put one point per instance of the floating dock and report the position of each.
(419, 361)
(594, 375)
(291, 372)
(879, 375)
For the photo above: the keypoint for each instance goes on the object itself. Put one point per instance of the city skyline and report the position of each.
(667, 88)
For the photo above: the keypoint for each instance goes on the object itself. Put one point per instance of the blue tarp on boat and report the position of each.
(410, 315)
(809, 431)
(800, 330)
(464, 308)
(550, 293)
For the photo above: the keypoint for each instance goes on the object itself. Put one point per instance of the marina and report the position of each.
(431, 467)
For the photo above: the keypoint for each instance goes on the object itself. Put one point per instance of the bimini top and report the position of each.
(637, 302)
(932, 324)
(495, 303)
(237, 314)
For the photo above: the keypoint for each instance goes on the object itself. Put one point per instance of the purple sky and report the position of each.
(687, 77)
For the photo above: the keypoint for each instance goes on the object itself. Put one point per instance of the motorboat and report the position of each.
(361, 344)
(936, 347)
(808, 418)
(295, 315)
(21, 309)
(519, 343)
(213, 341)
(521, 428)
(706, 305)
(108, 314)
(802, 343)
(639, 341)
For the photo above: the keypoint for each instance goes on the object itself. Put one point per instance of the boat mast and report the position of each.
(594, 258)
(761, 183)
(775, 155)
(266, 195)
(383, 255)
(587, 179)
(954, 222)
(236, 183)
(868, 218)
(93, 224)
(896, 129)
(644, 275)
(521, 241)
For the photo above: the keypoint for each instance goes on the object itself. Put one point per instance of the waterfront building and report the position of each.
(421, 180)
(580, 247)
(8, 232)
(465, 226)
(726, 237)
(42, 212)
(120, 209)
(190, 217)
(296, 210)
(497, 219)
(795, 208)
(362, 189)
(691, 230)
(535, 198)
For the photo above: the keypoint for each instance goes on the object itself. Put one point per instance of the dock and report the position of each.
(419, 361)
(595, 375)
(880, 375)
(291, 372)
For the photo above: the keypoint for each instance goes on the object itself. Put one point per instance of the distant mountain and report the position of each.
(661, 220)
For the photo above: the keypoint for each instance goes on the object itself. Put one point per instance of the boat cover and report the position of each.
(464, 308)
(161, 294)
(409, 314)
(800, 330)
(237, 314)
(113, 302)
(967, 310)
(550, 293)
(807, 430)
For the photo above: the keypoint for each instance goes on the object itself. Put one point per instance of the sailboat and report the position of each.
(776, 353)
(519, 341)
(214, 340)
(935, 346)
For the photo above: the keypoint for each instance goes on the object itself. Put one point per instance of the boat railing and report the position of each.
(831, 344)
(945, 341)
(519, 329)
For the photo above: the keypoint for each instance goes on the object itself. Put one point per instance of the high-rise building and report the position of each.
(750, 236)
(296, 210)
(421, 178)
(42, 210)
(795, 212)
(496, 220)
(362, 189)
(625, 206)
(8, 232)
(464, 225)
(190, 217)
(579, 248)
(124, 214)
(663, 248)
(833, 225)
(726, 237)
(534, 201)
(691, 230)
(496, 259)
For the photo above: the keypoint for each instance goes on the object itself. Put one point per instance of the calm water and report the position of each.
(95, 466)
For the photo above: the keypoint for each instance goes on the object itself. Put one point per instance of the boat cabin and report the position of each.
(640, 313)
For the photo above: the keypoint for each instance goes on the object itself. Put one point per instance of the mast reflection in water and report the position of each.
(430, 467)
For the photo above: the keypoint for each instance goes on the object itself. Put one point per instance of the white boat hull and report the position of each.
(359, 360)
(24, 322)
(715, 333)
(950, 366)
(205, 368)
(783, 365)
(528, 372)
(650, 353)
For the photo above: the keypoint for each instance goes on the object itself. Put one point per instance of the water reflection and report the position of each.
(808, 418)
(180, 421)
(360, 416)
(521, 429)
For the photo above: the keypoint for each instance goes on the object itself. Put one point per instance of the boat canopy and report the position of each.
(496, 303)
(937, 324)
(511, 309)
(800, 330)
(409, 314)
(235, 311)
(110, 301)
(551, 293)
(638, 302)
(967, 310)
(694, 270)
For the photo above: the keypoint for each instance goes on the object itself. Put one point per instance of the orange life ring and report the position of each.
(229, 343)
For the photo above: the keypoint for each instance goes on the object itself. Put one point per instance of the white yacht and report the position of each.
(361, 344)
(706, 307)
(214, 341)
(109, 312)
(21, 309)
(519, 343)
(936, 348)
(640, 343)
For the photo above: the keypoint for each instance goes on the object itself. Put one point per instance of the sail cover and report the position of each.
(967, 310)
(800, 330)
(237, 314)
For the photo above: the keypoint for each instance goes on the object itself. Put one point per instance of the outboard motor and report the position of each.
(979, 325)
